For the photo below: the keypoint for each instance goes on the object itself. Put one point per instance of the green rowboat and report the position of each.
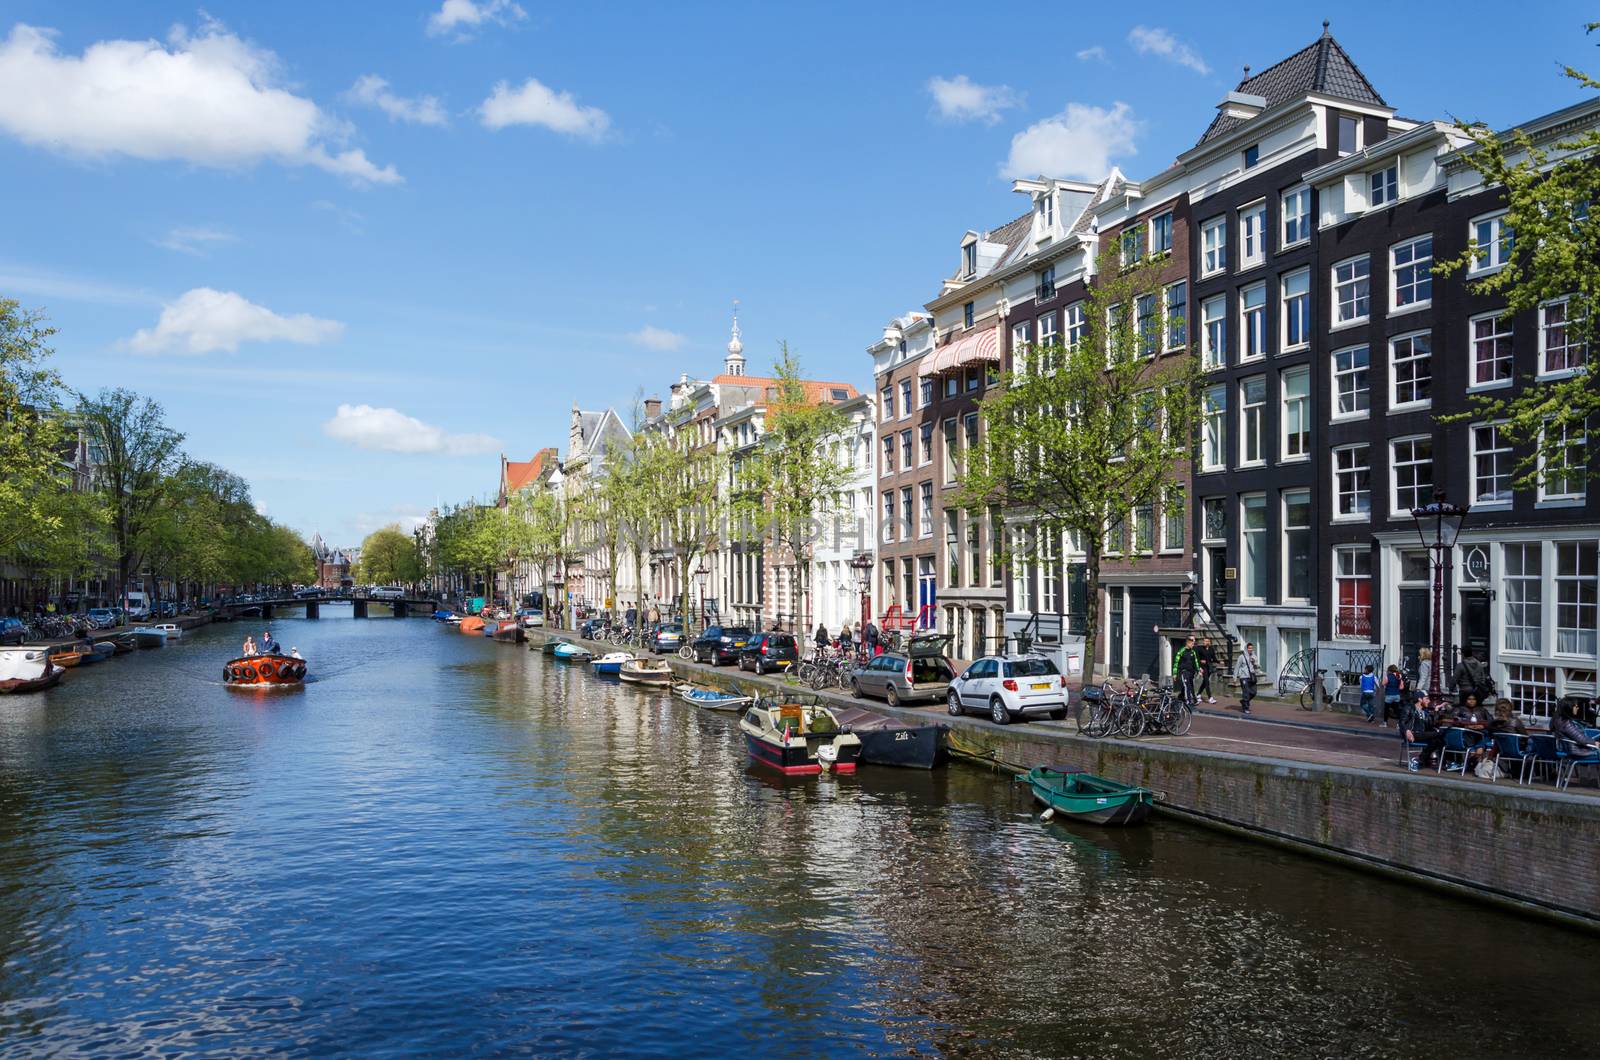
(1086, 797)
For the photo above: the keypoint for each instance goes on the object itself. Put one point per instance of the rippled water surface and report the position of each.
(445, 845)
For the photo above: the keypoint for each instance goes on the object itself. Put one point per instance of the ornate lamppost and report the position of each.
(700, 574)
(1438, 526)
(861, 566)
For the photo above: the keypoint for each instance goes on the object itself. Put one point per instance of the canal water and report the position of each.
(443, 845)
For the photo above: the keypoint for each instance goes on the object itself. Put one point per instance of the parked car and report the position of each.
(769, 651)
(919, 673)
(530, 618)
(1007, 687)
(388, 592)
(720, 645)
(666, 638)
(104, 617)
(12, 631)
(166, 609)
(308, 593)
(591, 628)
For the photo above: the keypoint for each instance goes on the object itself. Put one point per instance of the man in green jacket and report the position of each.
(1185, 667)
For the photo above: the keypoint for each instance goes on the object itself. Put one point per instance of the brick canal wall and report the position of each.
(1535, 850)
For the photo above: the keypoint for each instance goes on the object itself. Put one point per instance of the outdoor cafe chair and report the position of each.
(1511, 747)
(1546, 754)
(1410, 750)
(1571, 758)
(1460, 742)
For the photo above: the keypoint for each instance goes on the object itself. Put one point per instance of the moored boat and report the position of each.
(263, 671)
(67, 656)
(505, 632)
(25, 670)
(1086, 797)
(798, 736)
(122, 643)
(171, 629)
(710, 698)
(567, 651)
(549, 646)
(646, 672)
(471, 625)
(441, 615)
(148, 637)
(105, 649)
(888, 742)
(611, 662)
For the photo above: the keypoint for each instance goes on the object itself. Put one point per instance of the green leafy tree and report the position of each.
(139, 451)
(1552, 243)
(680, 483)
(539, 528)
(1082, 435)
(34, 436)
(389, 557)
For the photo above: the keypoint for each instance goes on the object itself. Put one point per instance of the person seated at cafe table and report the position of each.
(1419, 727)
(1566, 723)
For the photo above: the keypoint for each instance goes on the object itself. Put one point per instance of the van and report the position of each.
(138, 604)
(388, 592)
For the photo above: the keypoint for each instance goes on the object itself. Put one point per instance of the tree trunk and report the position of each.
(1091, 618)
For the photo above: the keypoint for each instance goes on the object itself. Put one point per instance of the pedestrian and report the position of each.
(1369, 693)
(1424, 667)
(869, 637)
(1208, 663)
(1248, 671)
(1394, 689)
(1185, 668)
(821, 639)
(1469, 675)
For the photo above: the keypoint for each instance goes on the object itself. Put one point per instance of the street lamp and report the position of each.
(1438, 526)
(861, 566)
(701, 573)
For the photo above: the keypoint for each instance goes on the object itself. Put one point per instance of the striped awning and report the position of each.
(980, 345)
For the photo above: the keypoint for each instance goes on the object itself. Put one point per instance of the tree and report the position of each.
(1552, 242)
(680, 482)
(389, 557)
(796, 478)
(1082, 435)
(540, 521)
(139, 451)
(33, 434)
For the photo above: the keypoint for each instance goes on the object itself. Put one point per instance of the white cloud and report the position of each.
(373, 91)
(193, 240)
(535, 104)
(1078, 142)
(461, 17)
(392, 431)
(203, 320)
(211, 100)
(1153, 40)
(959, 99)
(654, 338)
(1096, 52)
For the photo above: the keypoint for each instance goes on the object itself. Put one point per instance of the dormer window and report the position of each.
(1047, 284)
(969, 260)
(1384, 186)
(1349, 134)
(1047, 213)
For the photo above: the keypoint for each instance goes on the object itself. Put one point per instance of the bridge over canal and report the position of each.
(268, 608)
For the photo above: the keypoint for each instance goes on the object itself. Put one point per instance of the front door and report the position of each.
(1114, 632)
(1416, 624)
(1477, 631)
(1217, 585)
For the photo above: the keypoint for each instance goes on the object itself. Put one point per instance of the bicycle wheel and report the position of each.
(1181, 722)
(686, 653)
(1308, 696)
(1130, 721)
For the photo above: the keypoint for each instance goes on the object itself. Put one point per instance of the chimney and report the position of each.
(652, 408)
(1242, 104)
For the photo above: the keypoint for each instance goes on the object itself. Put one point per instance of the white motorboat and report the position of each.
(26, 670)
(171, 629)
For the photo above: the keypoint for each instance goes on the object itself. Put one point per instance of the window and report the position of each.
(1253, 321)
(950, 450)
(1349, 134)
(1214, 439)
(966, 315)
(1073, 322)
(906, 513)
(1352, 578)
(1383, 186)
(1214, 321)
(1173, 515)
(905, 398)
(952, 549)
(886, 399)
(1252, 235)
(1252, 155)
(952, 385)
(1046, 288)
(1296, 305)
(1411, 370)
(1492, 242)
(969, 260)
(888, 455)
(1563, 462)
(1161, 233)
(969, 424)
(1351, 291)
(1296, 216)
(1214, 520)
(1144, 528)
(1531, 689)
(1560, 350)
(1577, 598)
(1049, 573)
(925, 454)
(1177, 315)
(1253, 546)
(1491, 349)
(1411, 471)
(888, 515)
(1252, 404)
(1297, 544)
(925, 510)
(1295, 390)
(1491, 464)
(1047, 211)
(1149, 325)
(926, 394)
(972, 379)
(905, 450)
(1411, 273)
(1350, 385)
(1129, 246)
(1352, 482)
(1523, 583)
(1214, 246)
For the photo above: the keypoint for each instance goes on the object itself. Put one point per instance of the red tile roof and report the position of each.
(516, 474)
(816, 390)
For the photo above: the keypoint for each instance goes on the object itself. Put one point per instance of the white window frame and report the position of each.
(1252, 234)
(1397, 509)
(1376, 181)
(1546, 497)
(1283, 542)
(1129, 239)
(1338, 575)
(1302, 219)
(1504, 465)
(1260, 331)
(1214, 246)
(1334, 292)
(1545, 371)
(1411, 337)
(1167, 345)
(1500, 318)
(1047, 330)
(1074, 325)
(1499, 249)
(1214, 355)
(1585, 549)
(1333, 456)
(1261, 542)
(1284, 300)
(1154, 249)
(1361, 134)
(1333, 396)
(1214, 442)
(1174, 503)
(1538, 599)
(1258, 413)
(1302, 371)
(1020, 361)
(1395, 305)
(906, 390)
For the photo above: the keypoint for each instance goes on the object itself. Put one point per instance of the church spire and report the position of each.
(734, 365)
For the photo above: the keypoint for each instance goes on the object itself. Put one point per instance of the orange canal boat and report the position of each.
(471, 625)
(264, 671)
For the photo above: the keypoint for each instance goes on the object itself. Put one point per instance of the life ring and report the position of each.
(265, 669)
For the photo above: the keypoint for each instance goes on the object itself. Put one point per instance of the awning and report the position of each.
(981, 345)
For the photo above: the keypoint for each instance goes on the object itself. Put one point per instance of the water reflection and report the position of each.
(445, 845)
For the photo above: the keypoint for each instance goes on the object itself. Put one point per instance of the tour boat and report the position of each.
(264, 671)
(1086, 797)
(171, 629)
(567, 651)
(148, 637)
(26, 670)
(798, 736)
(471, 625)
(710, 698)
(646, 672)
(611, 662)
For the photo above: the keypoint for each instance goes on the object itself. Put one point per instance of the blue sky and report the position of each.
(472, 213)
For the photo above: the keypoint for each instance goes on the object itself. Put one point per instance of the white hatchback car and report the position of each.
(1010, 686)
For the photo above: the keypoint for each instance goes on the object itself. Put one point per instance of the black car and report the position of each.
(11, 632)
(719, 645)
(769, 651)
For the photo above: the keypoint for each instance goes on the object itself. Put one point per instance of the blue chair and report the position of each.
(1510, 747)
(1460, 742)
(1571, 758)
(1410, 751)
(1546, 754)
